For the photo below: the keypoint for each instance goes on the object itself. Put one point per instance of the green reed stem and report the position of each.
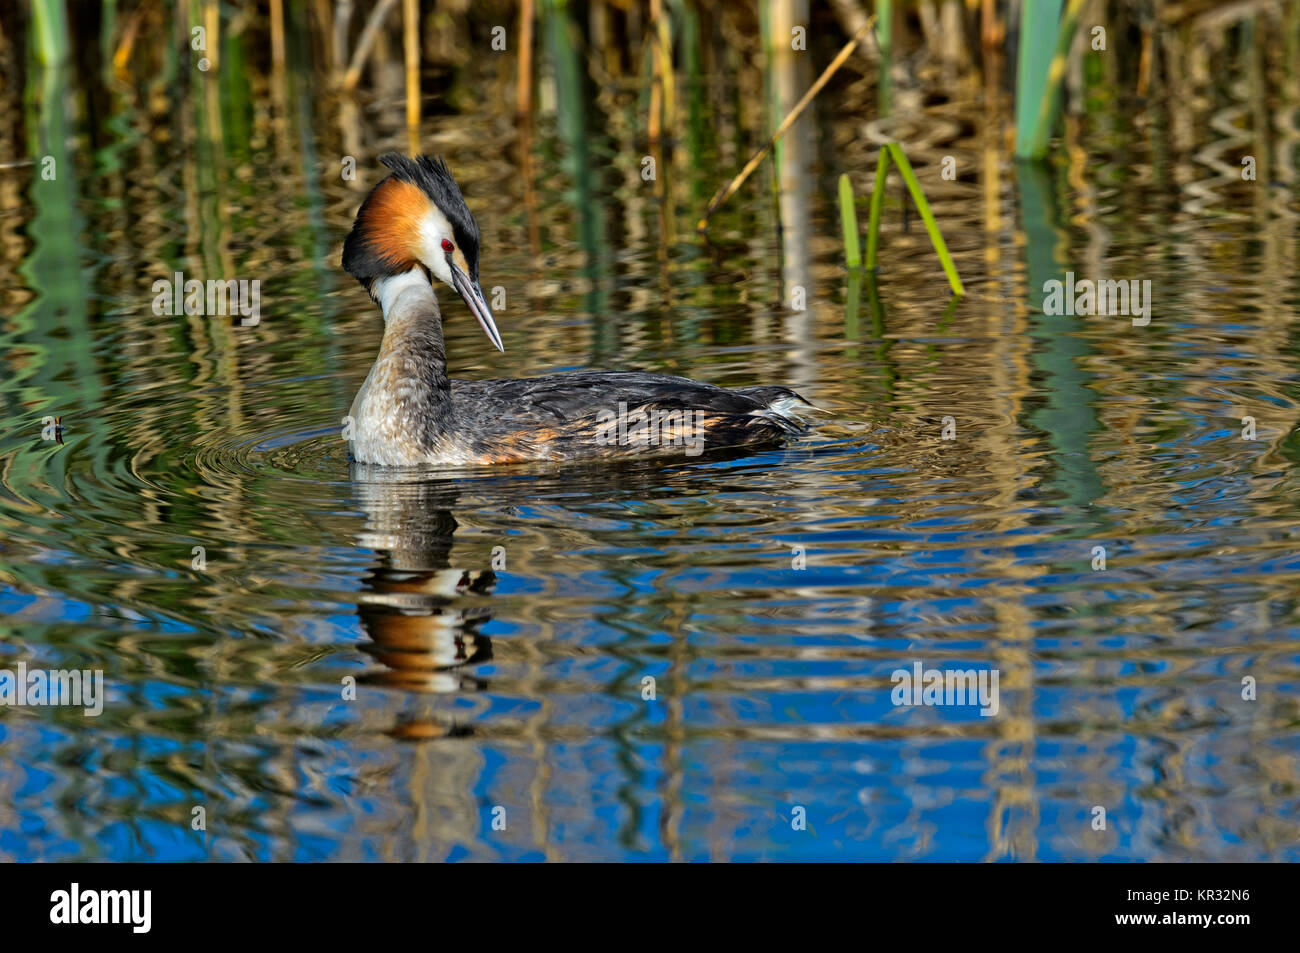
(849, 221)
(892, 150)
(50, 26)
(1038, 82)
(877, 203)
(931, 226)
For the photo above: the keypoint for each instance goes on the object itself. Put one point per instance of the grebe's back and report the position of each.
(612, 414)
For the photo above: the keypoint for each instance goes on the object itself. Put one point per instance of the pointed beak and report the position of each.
(473, 296)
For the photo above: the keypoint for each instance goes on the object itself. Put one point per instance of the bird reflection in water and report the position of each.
(419, 612)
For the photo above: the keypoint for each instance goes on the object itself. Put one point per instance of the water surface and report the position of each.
(500, 624)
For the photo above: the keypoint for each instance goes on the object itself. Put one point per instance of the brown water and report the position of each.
(500, 623)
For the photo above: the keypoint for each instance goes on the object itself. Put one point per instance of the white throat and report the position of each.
(399, 295)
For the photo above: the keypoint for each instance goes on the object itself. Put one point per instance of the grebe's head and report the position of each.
(417, 218)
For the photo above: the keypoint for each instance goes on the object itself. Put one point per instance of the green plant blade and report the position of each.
(1038, 82)
(923, 206)
(849, 220)
(877, 203)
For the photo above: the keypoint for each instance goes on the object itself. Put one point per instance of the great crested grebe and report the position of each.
(414, 227)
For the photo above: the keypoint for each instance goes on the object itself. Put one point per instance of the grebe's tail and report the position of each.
(782, 406)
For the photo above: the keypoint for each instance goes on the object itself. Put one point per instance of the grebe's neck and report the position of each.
(413, 326)
(402, 407)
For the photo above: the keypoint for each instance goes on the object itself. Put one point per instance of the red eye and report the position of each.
(447, 246)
